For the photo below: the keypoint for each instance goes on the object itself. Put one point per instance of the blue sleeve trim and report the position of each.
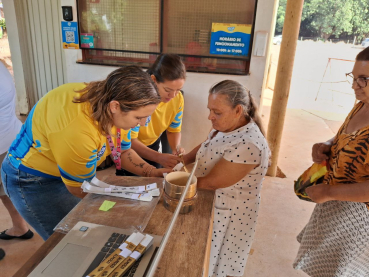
(136, 129)
(24, 140)
(36, 172)
(67, 176)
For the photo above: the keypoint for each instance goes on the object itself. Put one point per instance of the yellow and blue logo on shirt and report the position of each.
(177, 120)
(125, 142)
(101, 152)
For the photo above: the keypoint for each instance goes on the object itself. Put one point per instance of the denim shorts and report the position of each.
(42, 202)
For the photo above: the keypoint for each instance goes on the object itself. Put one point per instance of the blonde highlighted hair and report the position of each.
(130, 86)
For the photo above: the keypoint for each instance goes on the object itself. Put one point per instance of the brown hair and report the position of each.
(363, 55)
(168, 67)
(239, 95)
(130, 86)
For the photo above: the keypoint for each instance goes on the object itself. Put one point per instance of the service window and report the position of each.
(212, 36)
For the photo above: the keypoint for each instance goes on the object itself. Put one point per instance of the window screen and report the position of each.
(190, 21)
(129, 25)
(126, 32)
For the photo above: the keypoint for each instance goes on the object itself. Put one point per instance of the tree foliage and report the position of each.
(326, 18)
(280, 16)
(2, 23)
(360, 19)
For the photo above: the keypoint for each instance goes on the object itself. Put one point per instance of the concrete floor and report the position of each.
(282, 215)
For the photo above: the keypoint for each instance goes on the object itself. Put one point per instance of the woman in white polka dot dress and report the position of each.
(232, 161)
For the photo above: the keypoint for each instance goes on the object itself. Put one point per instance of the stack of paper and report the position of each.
(142, 193)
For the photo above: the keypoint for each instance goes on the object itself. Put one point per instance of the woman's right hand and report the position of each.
(168, 160)
(321, 151)
(319, 193)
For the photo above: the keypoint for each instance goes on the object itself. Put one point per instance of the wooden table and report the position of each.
(188, 248)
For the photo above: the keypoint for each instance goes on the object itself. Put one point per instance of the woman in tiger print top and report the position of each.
(349, 160)
(335, 242)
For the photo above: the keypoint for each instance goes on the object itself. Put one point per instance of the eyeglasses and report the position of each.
(362, 82)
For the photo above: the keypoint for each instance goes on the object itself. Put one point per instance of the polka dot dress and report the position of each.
(236, 207)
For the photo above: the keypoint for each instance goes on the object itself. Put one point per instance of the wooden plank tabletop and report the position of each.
(187, 251)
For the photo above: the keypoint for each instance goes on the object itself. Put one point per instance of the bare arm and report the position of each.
(224, 174)
(358, 192)
(166, 160)
(174, 140)
(190, 157)
(143, 151)
(76, 191)
(132, 162)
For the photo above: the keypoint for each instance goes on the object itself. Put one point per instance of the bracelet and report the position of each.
(146, 170)
(149, 174)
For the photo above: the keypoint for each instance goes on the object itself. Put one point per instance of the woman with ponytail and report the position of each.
(70, 132)
(232, 161)
(169, 74)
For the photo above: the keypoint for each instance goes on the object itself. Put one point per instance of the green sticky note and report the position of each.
(106, 205)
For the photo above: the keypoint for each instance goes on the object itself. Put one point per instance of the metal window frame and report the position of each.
(247, 59)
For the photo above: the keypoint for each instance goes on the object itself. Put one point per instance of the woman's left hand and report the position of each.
(319, 193)
(158, 172)
(179, 151)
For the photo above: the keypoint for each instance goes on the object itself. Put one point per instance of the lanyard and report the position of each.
(115, 151)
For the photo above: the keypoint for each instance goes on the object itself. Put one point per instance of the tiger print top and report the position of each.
(349, 157)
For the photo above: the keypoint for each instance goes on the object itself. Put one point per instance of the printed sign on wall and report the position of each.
(230, 39)
(87, 40)
(70, 35)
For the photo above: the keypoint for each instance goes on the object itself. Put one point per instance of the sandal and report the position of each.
(27, 235)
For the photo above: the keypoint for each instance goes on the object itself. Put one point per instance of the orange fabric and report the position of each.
(349, 161)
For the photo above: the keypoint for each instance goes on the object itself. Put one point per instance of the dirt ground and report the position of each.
(5, 56)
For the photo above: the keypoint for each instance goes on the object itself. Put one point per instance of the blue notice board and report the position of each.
(230, 39)
(70, 35)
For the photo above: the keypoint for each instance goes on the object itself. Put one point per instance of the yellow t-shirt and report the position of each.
(167, 116)
(60, 140)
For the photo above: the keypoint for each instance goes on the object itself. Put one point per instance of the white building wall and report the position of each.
(16, 55)
(34, 34)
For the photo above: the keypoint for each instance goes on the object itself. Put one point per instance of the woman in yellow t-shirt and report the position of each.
(67, 134)
(169, 74)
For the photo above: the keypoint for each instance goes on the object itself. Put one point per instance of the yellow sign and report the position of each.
(231, 28)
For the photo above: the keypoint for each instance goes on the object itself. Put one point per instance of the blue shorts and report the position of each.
(42, 202)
